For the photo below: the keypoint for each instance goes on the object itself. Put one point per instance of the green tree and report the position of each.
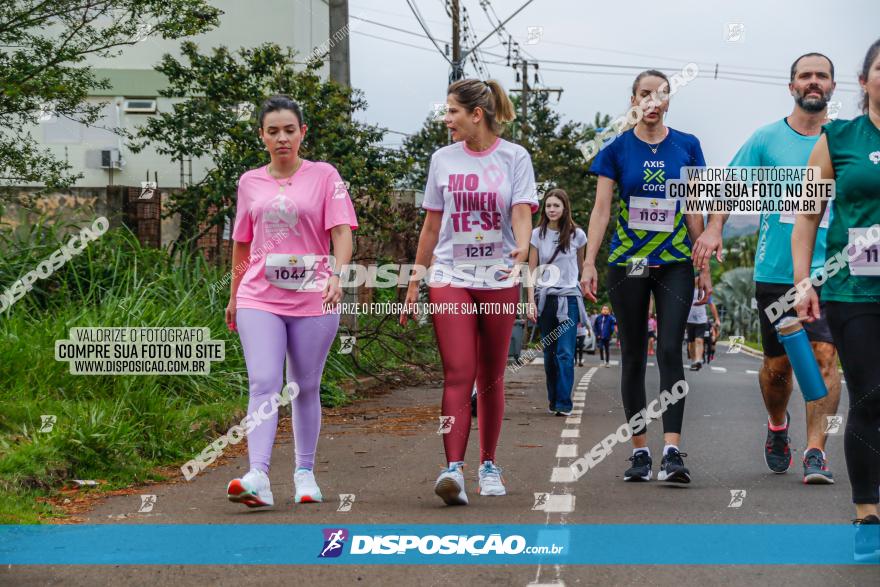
(559, 163)
(734, 293)
(417, 150)
(207, 123)
(43, 70)
(739, 251)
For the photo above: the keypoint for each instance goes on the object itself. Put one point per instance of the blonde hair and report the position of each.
(488, 95)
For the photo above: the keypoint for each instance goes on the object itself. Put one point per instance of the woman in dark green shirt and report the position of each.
(849, 153)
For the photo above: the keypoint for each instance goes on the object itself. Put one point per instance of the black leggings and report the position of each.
(860, 357)
(673, 288)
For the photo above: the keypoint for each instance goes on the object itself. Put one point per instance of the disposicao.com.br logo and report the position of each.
(431, 544)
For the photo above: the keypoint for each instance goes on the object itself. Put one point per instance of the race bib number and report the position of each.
(655, 214)
(297, 272)
(788, 217)
(868, 261)
(477, 247)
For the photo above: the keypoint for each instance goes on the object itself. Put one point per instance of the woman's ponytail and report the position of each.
(489, 96)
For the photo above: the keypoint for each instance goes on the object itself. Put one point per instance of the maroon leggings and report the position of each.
(473, 347)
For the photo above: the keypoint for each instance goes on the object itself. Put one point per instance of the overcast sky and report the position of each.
(402, 82)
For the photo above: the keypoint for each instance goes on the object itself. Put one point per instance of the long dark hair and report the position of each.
(567, 224)
(870, 57)
(281, 102)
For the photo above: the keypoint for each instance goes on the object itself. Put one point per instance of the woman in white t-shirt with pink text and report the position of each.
(479, 201)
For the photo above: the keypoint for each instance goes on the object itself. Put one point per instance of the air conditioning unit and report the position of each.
(110, 159)
(140, 106)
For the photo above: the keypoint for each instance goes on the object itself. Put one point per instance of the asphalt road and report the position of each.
(385, 450)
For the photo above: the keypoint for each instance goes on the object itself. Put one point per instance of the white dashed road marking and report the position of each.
(566, 451)
(563, 503)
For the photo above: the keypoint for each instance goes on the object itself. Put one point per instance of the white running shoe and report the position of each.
(307, 490)
(450, 486)
(491, 482)
(252, 490)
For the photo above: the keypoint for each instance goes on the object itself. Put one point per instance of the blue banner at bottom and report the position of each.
(452, 544)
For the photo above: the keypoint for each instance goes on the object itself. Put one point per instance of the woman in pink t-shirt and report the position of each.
(283, 278)
(479, 198)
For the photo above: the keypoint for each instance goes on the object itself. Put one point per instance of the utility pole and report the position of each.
(457, 65)
(340, 69)
(525, 92)
(524, 101)
(458, 59)
(340, 72)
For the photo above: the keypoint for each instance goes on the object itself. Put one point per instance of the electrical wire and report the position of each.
(418, 16)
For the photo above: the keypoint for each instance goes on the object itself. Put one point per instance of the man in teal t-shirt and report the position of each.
(788, 142)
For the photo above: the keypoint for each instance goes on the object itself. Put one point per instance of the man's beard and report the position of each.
(813, 104)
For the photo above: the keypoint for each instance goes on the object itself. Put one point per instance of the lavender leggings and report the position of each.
(306, 340)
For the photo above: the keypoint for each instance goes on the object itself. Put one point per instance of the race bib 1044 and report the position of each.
(297, 272)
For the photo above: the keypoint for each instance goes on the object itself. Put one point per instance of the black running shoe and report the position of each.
(866, 542)
(816, 471)
(672, 468)
(641, 467)
(777, 452)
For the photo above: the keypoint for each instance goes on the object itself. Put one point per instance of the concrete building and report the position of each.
(103, 158)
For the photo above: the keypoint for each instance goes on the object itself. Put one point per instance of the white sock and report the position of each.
(667, 447)
(644, 448)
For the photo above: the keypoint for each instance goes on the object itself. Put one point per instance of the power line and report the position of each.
(396, 132)
(732, 75)
(512, 45)
(394, 28)
(418, 16)
(504, 22)
(706, 64)
(476, 55)
(585, 72)
(766, 83)
(709, 77)
(643, 67)
(386, 39)
(486, 4)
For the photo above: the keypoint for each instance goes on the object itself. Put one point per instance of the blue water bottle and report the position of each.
(800, 354)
